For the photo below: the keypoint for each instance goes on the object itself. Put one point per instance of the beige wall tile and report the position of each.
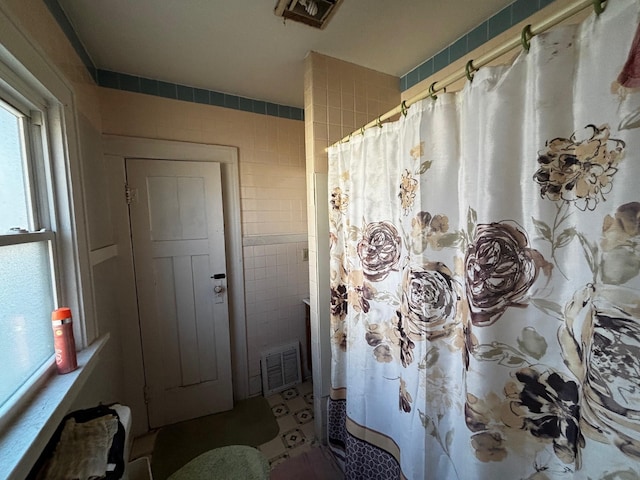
(272, 165)
(262, 140)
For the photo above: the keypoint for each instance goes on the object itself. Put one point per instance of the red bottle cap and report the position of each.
(61, 313)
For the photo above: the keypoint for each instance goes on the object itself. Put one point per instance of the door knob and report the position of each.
(218, 289)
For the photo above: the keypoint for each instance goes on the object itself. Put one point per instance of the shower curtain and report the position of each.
(485, 272)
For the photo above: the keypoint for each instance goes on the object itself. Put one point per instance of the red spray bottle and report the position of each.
(63, 342)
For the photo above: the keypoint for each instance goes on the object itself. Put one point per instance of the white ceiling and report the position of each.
(241, 47)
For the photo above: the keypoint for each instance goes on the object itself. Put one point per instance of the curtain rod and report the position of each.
(472, 65)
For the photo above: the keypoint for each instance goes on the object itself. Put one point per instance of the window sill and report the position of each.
(24, 438)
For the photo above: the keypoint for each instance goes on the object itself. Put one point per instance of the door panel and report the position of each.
(178, 245)
(177, 211)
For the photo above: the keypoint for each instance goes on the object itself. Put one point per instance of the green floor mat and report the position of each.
(251, 422)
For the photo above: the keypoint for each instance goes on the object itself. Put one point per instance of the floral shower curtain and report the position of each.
(485, 272)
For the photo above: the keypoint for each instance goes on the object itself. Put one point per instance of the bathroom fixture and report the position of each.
(280, 368)
(315, 13)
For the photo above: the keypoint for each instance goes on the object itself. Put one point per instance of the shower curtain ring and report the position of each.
(403, 108)
(526, 36)
(378, 122)
(432, 91)
(597, 6)
(469, 69)
(362, 130)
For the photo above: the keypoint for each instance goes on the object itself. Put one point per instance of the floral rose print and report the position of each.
(579, 171)
(340, 338)
(408, 189)
(429, 301)
(391, 340)
(489, 446)
(421, 222)
(417, 151)
(630, 75)
(621, 244)
(499, 270)
(405, 399)
(374, 336)
(379, 250)
(469, 342)
(427, 230)
(483, 418)
(360, 293)
(532, 343)
(601, 345)
(406, 344)
(438, 224)
(482, 414)
(623, 228)
(548, 405)
(383, 337)
(339, 301)
(382, 353)
(339, 201)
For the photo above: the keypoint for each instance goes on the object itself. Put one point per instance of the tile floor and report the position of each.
(293, 409)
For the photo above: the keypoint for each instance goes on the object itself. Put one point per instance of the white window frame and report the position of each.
(62, 172)
(41, 203)
(26, 70)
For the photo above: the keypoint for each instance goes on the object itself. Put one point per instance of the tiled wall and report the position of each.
(504, 26)
(276, 282)
(491, 28)
(271, 162)
(273, 201)
(338, 97)
(270, 151)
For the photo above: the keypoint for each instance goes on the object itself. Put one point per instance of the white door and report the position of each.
(177, 233)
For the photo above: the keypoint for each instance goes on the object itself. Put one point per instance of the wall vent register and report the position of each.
(281, 368)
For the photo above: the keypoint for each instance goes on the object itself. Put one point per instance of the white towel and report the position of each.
(81, 453)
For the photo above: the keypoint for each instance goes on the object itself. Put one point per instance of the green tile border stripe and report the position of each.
(64, 23)
(149, 86)
(495, 25)
(131, 83)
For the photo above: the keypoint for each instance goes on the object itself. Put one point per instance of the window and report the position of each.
(47, 259)
(27, 246)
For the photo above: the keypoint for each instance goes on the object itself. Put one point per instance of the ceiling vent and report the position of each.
(315, 13)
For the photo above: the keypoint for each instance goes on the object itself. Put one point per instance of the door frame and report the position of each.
(116, 149)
